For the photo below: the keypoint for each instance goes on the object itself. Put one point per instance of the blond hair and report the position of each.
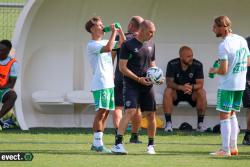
(223, 21)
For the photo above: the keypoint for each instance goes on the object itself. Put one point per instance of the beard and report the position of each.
(218, 35)
(187, 63)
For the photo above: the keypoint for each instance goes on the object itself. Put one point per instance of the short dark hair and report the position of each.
(91, 23)
(6, 43)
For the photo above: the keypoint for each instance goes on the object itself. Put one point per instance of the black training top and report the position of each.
(139, 56)
(118, 74)
(194, 71)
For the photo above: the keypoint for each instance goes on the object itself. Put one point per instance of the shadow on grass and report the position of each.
(243, 156)
(108, 143)
(160, 132)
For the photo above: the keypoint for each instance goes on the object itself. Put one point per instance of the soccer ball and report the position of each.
(155, 75)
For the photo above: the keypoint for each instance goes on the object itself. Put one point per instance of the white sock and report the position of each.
(225, 128)
(98, 139)
(234, 131)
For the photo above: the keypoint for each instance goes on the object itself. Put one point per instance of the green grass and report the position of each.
(71, 147)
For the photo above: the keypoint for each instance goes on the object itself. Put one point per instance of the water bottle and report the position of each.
(216, 65)
(129, 128)
(107, 28)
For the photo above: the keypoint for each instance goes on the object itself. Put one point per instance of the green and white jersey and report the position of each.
(234, 49)
(102, 66)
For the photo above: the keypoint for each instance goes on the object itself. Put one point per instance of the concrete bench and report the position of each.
(211, 99)
(52, 97)
(80, 97)
(52, 101)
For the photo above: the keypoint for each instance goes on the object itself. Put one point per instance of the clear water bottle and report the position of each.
(107, 28)
(215, 65)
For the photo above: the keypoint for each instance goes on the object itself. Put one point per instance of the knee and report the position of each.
(138, 115)
(201, 94)
(151, 117)
(129, 113)
(13, 95)
(10, 96)
(167, 94)
(101, 114)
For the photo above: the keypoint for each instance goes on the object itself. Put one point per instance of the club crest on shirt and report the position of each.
(190, 75)
(128, 103)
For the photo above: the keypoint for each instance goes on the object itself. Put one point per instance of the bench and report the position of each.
(80, 97)
(211, 99)
(51, 101)
(48, 97)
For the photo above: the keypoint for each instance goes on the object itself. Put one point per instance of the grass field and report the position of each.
(71, 147)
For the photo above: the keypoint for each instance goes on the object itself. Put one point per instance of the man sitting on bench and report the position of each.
(185, 81)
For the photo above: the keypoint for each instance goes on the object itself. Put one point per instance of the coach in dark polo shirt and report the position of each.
(185, 81)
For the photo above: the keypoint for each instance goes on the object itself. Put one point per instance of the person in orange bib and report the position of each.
(8, 76)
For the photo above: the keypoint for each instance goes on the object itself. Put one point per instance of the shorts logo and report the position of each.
(104, 95)
(227, 106)
(128, 103)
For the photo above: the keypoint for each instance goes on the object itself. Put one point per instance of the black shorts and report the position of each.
(136, 95)
(246, 97)
(118, 93)
(184, 97)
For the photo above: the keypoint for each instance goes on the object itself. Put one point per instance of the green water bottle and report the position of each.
(216, 65)
(107, 28)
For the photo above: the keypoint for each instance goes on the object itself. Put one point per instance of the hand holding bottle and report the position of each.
(214, 69)
(108, 28)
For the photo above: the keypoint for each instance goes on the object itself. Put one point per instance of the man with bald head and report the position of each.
(185, 80)
(136, 56)
(133, 28)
